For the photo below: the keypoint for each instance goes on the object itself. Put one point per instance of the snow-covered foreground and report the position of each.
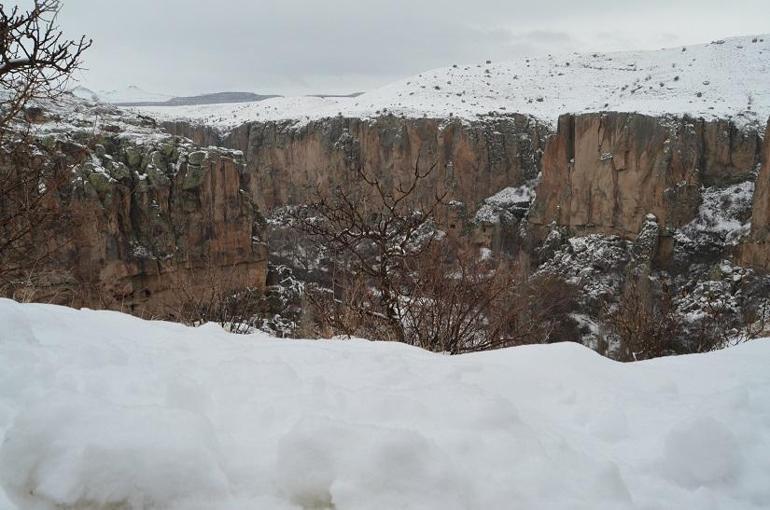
(102, 410)
(722, 79)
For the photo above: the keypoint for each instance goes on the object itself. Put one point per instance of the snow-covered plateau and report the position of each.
(100, 410)
(723, 79)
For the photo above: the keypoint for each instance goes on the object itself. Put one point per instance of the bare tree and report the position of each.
(645, 321)
(376, 230)
(215, 296)
(36, 61)
(395, 276)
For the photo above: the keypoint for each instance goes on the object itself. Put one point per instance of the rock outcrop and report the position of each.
(604, 172)
(288, 163)
(600, 172)
(756, 250)
(148, 220)
(152, 219)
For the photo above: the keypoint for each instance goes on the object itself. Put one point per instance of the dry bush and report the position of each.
(30, 214)
(33, 285)
(397, 277)
(538, 311)
(374, 229)
(213, 297)
(36, 60)
(644, 321)
(344, 310)
(722, 326)
(450, 301)
(755, 318)
(468, 304)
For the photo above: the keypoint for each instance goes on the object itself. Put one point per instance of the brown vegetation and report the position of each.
(397, 277)
(35, 62)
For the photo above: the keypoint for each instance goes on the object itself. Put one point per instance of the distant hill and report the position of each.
(324, 96)
(215, 98)
(131, 94)
(135, 96)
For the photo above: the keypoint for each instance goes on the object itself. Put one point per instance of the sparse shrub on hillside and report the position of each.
(28, 210)
(449, 303)
(651, 318)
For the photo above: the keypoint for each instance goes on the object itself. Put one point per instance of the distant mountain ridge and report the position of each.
(215, 98)
(135, 96)
(131, 94)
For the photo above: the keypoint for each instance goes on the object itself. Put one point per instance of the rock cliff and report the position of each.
(599, 172)
(604, 172)
(473, 159)
(147, 219)
(154, 215)
(756, 251)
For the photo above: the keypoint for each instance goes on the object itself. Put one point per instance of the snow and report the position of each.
(511, 195)
(723, 79)
(73, 118)
(493, 208)
(103, 410)
(131, 94)
(725, 211)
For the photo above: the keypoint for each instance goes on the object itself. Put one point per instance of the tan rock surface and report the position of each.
(143, 226)
(756, 251)
(605, 172)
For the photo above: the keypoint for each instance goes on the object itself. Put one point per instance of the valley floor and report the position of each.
(103, 410)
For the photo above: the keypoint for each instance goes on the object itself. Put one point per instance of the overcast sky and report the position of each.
(187, 47)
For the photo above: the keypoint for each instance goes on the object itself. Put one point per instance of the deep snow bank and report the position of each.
(103, 410)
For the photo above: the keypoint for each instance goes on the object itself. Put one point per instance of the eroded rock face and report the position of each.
(756, 251)
(601, 172)
(604, 172)
(287, 164)
(148, 224)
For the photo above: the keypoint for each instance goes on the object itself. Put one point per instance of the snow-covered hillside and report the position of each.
(131, 94)
(102, 410)
(727, 79)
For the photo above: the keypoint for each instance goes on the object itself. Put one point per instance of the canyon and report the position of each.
(147, 216)
(166, 204)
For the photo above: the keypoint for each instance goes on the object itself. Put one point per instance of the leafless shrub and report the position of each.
(755, 318)
(43, 285)
(375, 229)
(29, 210)
(396, 278)
(213, 297)
(346, 309)
(36, 61)
(722, 325)
(644, 321)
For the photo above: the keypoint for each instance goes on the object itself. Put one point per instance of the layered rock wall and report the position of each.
(146, 226)
(605, 172)
(600, 172)
(287, 163)
(756, 251)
